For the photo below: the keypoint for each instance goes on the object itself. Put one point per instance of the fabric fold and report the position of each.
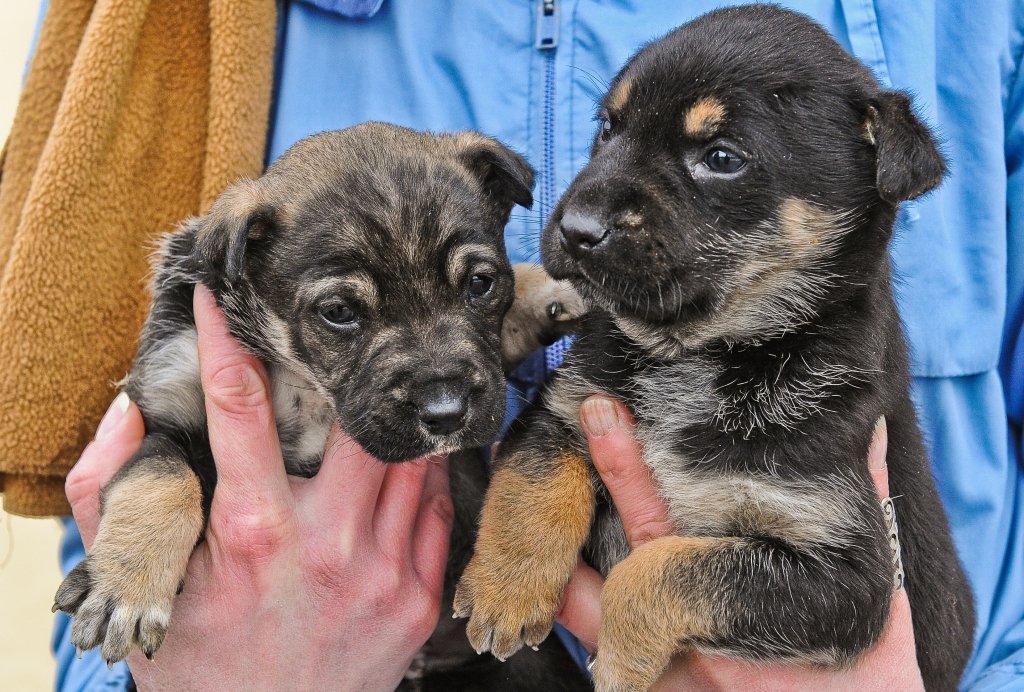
(134, 115)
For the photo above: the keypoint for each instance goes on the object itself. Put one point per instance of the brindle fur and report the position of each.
(748, 321)
(393, 223)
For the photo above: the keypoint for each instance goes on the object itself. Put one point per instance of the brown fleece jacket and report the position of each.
(134, 115)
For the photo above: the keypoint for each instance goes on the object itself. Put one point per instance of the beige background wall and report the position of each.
(28, 547)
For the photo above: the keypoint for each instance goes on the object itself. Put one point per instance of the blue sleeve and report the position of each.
(1001, 641)
(88, 673)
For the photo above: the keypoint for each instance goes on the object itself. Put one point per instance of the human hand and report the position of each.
(890, 664)
(322, 583)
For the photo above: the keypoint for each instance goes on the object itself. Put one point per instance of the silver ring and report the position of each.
(893, 532)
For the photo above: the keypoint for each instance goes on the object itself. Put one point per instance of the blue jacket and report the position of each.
(435, 64)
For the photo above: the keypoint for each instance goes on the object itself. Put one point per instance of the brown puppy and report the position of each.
(731, 232)
(367, 268)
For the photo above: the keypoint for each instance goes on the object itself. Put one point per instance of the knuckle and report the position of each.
(390, 580)
(615, 469)
(646, 529)
(444, 509)
(237, 388)
(79, 484)
(252, 536)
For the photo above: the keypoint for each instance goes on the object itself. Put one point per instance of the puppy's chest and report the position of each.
(698, 431)
(304, 419)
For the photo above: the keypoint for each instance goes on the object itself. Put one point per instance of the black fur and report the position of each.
(392, 224)
(747, 319)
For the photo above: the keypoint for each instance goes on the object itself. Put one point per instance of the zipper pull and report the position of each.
(547, 25)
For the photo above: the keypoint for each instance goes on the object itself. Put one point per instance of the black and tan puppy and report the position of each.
(367, 268)
(731, 231)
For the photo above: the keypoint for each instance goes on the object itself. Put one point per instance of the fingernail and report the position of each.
(879, 446)
(599, 415)
(118, 407)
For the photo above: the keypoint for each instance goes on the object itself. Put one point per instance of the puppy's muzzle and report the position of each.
(442, 406)
(582, 234)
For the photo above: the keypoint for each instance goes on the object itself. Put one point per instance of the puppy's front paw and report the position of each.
(115, 605)
(507, 606)
(544, 311)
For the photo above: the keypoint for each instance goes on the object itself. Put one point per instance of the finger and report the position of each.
(580, 612)
(118, 437)
(892, 662)
(433, 526)
(618, 458)
(876, 458)
(243, 435)
(398, 504)
(346, 488)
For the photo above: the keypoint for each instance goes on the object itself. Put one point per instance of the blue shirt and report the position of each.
(496, 66)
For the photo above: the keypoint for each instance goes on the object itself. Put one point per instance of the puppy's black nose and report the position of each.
(581, 233)
(442, 407)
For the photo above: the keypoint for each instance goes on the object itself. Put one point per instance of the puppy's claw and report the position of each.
(78, 652)
(73, 591)
(462, 604)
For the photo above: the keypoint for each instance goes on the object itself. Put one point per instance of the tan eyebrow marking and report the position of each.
(460, 256)
(620, 95)
(359, 282)
(703, 116)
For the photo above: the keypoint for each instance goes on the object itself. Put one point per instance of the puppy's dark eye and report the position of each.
(723, 161)
(338, 315)
(606, 127)
(480, 285)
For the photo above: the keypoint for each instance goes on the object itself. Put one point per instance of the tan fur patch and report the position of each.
(462, 255)
(531, 531)
(528, 323)
(358, 282)
(149, 527)
(648, 613)
(618, 99)
(771, 291)
(802, 224)
(703, 117)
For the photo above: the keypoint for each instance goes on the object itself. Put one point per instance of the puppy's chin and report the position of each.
(659, 304)
(393, 444)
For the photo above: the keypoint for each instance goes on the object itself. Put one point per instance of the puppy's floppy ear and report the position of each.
(240, 214)
(505, 175)
(908, 162)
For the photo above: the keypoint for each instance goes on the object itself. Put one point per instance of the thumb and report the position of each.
(876, 458)
(618, 458)
(118, 437)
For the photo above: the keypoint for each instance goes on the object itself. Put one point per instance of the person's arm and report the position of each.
(891, 664)
(331, 582)
(1005, 650)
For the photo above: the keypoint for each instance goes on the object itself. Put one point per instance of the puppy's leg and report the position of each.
(732, 594)
(535, 519)
(151, 519)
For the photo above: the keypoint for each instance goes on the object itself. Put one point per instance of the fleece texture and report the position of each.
(134, 115)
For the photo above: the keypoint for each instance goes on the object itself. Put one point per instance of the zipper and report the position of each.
(547, 43)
